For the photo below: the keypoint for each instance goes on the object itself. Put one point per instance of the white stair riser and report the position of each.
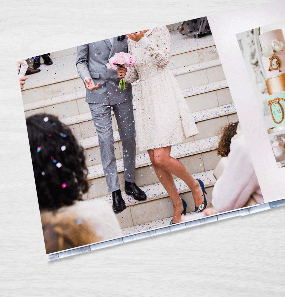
(194, 57)
(65, 92)
(201, 77)
(63, 53)
(162, 208)
(209, 100)
(93, 154)
(72, 86)
(147, 176)
(76, 85)
(80, 106)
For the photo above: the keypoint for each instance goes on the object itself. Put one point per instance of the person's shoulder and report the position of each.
(94, 204)
(239, 147)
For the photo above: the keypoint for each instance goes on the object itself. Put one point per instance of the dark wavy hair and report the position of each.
(228, 132)
(58, 161)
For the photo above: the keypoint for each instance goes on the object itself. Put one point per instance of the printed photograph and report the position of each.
(133, 133)
(264, 55)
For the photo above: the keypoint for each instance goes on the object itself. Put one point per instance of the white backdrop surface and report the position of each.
(271, 178)
(237, 257)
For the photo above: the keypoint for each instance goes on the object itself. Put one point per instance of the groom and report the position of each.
(103, 95)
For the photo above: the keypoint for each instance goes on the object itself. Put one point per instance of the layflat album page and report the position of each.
(139, 131)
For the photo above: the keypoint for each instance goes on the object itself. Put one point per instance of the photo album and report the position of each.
(157, 130)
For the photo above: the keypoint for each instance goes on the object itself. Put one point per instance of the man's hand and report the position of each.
(22, 82)
(121, 72)
(137, 36)
(89, 84)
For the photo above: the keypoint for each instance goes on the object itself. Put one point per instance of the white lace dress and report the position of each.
(163, 117)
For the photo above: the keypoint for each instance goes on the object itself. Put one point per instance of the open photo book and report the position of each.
(157, 130)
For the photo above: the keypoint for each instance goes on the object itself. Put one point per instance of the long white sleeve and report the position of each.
(160, 49)
(238, 181)
(131, 75)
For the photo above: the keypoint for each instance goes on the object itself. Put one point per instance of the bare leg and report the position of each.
(167, 181)
(163, 160)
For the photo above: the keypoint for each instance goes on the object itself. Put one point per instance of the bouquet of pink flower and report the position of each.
(121, 60)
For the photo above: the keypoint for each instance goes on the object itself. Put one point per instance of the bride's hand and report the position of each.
(137, 36)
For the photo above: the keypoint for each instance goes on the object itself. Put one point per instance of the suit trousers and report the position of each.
(101, 115)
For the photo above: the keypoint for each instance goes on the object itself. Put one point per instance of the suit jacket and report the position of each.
(91, 62)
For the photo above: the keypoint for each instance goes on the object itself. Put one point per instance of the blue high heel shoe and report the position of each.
(183, 211)
(202, 206)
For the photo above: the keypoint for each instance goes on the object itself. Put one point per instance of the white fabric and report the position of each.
(99, 215)
(238, 181)
(144, 42)
(163, 117)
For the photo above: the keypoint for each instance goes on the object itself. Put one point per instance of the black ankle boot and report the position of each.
(133, 190)
(47, 59)
(118, 202)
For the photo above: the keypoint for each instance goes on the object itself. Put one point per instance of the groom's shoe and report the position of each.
(118, 202)
(133, 190)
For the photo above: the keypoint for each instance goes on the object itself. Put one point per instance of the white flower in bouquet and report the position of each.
(277, 45)
(267, 51)
(121, 60)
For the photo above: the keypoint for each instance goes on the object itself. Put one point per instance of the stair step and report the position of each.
(157, 191)
(196, 67)
(63, 67)
(177, 151)
(180, 46)
(193, 91)
(165, 222)
(146, 227)
(199, 115)
(82, 94)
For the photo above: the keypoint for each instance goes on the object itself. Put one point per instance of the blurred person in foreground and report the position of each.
(60, 176)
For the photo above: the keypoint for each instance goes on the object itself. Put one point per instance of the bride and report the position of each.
(163, 117)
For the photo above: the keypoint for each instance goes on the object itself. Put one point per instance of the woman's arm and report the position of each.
(160, 48)
(238, 181)
(131, 75)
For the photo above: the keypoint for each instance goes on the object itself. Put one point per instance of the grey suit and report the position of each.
(91, 62)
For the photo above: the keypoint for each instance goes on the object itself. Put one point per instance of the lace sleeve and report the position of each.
(160, 47)
(131, 75)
